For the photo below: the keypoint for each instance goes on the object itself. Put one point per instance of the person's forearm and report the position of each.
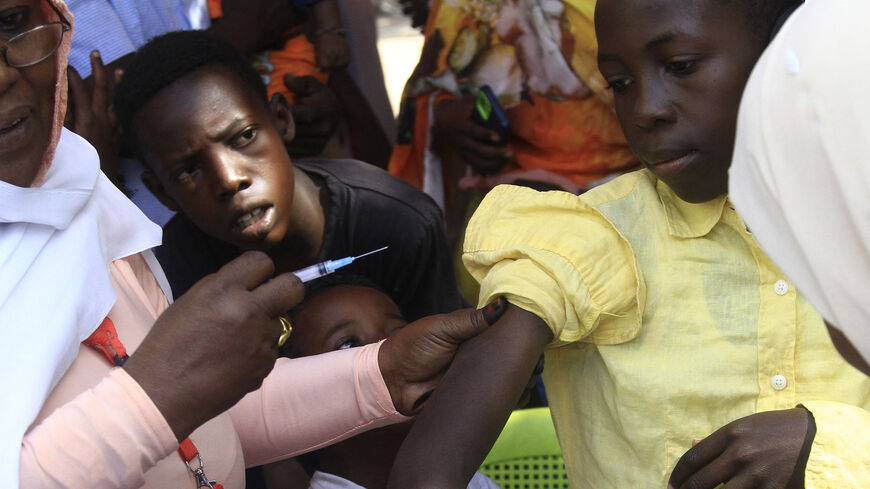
(106, 438)
(368, 141)
(307, 403)
(465, 415)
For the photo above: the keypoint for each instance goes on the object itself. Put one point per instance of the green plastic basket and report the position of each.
(527, 454)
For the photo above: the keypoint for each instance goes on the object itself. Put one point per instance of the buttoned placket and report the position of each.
(777, 330)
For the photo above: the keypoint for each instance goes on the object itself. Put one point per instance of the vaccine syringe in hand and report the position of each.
(326, 267)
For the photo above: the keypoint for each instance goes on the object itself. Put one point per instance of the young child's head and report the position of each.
(344, 311)
(341, 311)
(677, 69)
(197, 113)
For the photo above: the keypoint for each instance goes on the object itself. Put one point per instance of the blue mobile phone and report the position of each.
(488, 113)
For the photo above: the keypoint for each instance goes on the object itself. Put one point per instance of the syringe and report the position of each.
(326, 267)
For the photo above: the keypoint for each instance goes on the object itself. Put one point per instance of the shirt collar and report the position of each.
(686, 220)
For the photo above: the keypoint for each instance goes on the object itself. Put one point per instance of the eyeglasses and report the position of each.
(34, 45)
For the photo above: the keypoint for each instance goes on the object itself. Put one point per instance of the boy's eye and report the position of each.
(245, 137)
(618, 85)
(14, 19)
(681, 67)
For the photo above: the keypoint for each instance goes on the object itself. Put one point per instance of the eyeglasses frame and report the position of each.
(64, 28)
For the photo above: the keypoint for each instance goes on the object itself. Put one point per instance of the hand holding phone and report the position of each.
(489, 113)
(455, 131)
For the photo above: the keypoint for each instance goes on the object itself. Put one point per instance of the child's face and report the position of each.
(344, 316)
(218, 155)
(677, 69)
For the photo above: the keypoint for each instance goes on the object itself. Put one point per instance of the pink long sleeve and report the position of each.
(109, 436)
(99, 430)
(277, 421)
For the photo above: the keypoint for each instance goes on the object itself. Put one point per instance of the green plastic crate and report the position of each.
(527, 454)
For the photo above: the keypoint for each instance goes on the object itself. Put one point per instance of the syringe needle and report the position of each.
(371, 252)
(326, 267)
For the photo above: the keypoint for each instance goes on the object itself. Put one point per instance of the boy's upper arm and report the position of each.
(465, 415)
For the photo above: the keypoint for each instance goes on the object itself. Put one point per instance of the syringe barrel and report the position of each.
(314, 271)
(323, 268)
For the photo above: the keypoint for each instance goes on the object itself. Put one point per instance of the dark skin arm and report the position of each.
(414, 359)
(465, 415)
(767, 450)
(330, 45)
(847, 349)
(368, 142)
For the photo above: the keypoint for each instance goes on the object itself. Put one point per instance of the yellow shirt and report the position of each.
(669, 322)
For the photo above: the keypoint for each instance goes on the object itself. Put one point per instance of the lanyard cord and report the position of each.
(105, 339)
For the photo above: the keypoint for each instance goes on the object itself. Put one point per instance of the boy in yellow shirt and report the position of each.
(661, 319)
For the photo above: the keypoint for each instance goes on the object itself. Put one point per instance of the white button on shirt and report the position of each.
(779, 382)
(780, 287)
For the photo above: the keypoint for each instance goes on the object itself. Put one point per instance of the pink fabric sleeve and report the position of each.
(307, 403)
(115, 421)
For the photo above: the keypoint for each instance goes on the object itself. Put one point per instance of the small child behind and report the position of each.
(345, 311)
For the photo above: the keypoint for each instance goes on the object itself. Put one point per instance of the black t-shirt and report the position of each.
(368, 209)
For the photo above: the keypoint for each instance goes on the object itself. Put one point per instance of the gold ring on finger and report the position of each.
(287, 329)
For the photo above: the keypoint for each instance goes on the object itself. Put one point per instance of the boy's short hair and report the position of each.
(171, 56)
(763, 16)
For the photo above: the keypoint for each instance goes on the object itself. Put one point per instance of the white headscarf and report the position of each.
(57, 239)
(801, 171)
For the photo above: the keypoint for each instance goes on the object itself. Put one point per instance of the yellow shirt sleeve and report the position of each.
(553, 255)
(840, 455)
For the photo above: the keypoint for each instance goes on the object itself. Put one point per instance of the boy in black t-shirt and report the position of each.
(201, 120)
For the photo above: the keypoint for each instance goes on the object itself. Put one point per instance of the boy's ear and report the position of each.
(280, 108)
(153, 183)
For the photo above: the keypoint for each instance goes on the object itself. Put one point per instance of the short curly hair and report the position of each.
(166, 58)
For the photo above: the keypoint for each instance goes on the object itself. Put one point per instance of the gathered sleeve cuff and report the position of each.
(840, 455)
(107, 437)
(311, 402)
(553, 255)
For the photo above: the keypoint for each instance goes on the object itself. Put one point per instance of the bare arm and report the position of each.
(331, 48)
(368, 142)
(465, 415)
(354, 390)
